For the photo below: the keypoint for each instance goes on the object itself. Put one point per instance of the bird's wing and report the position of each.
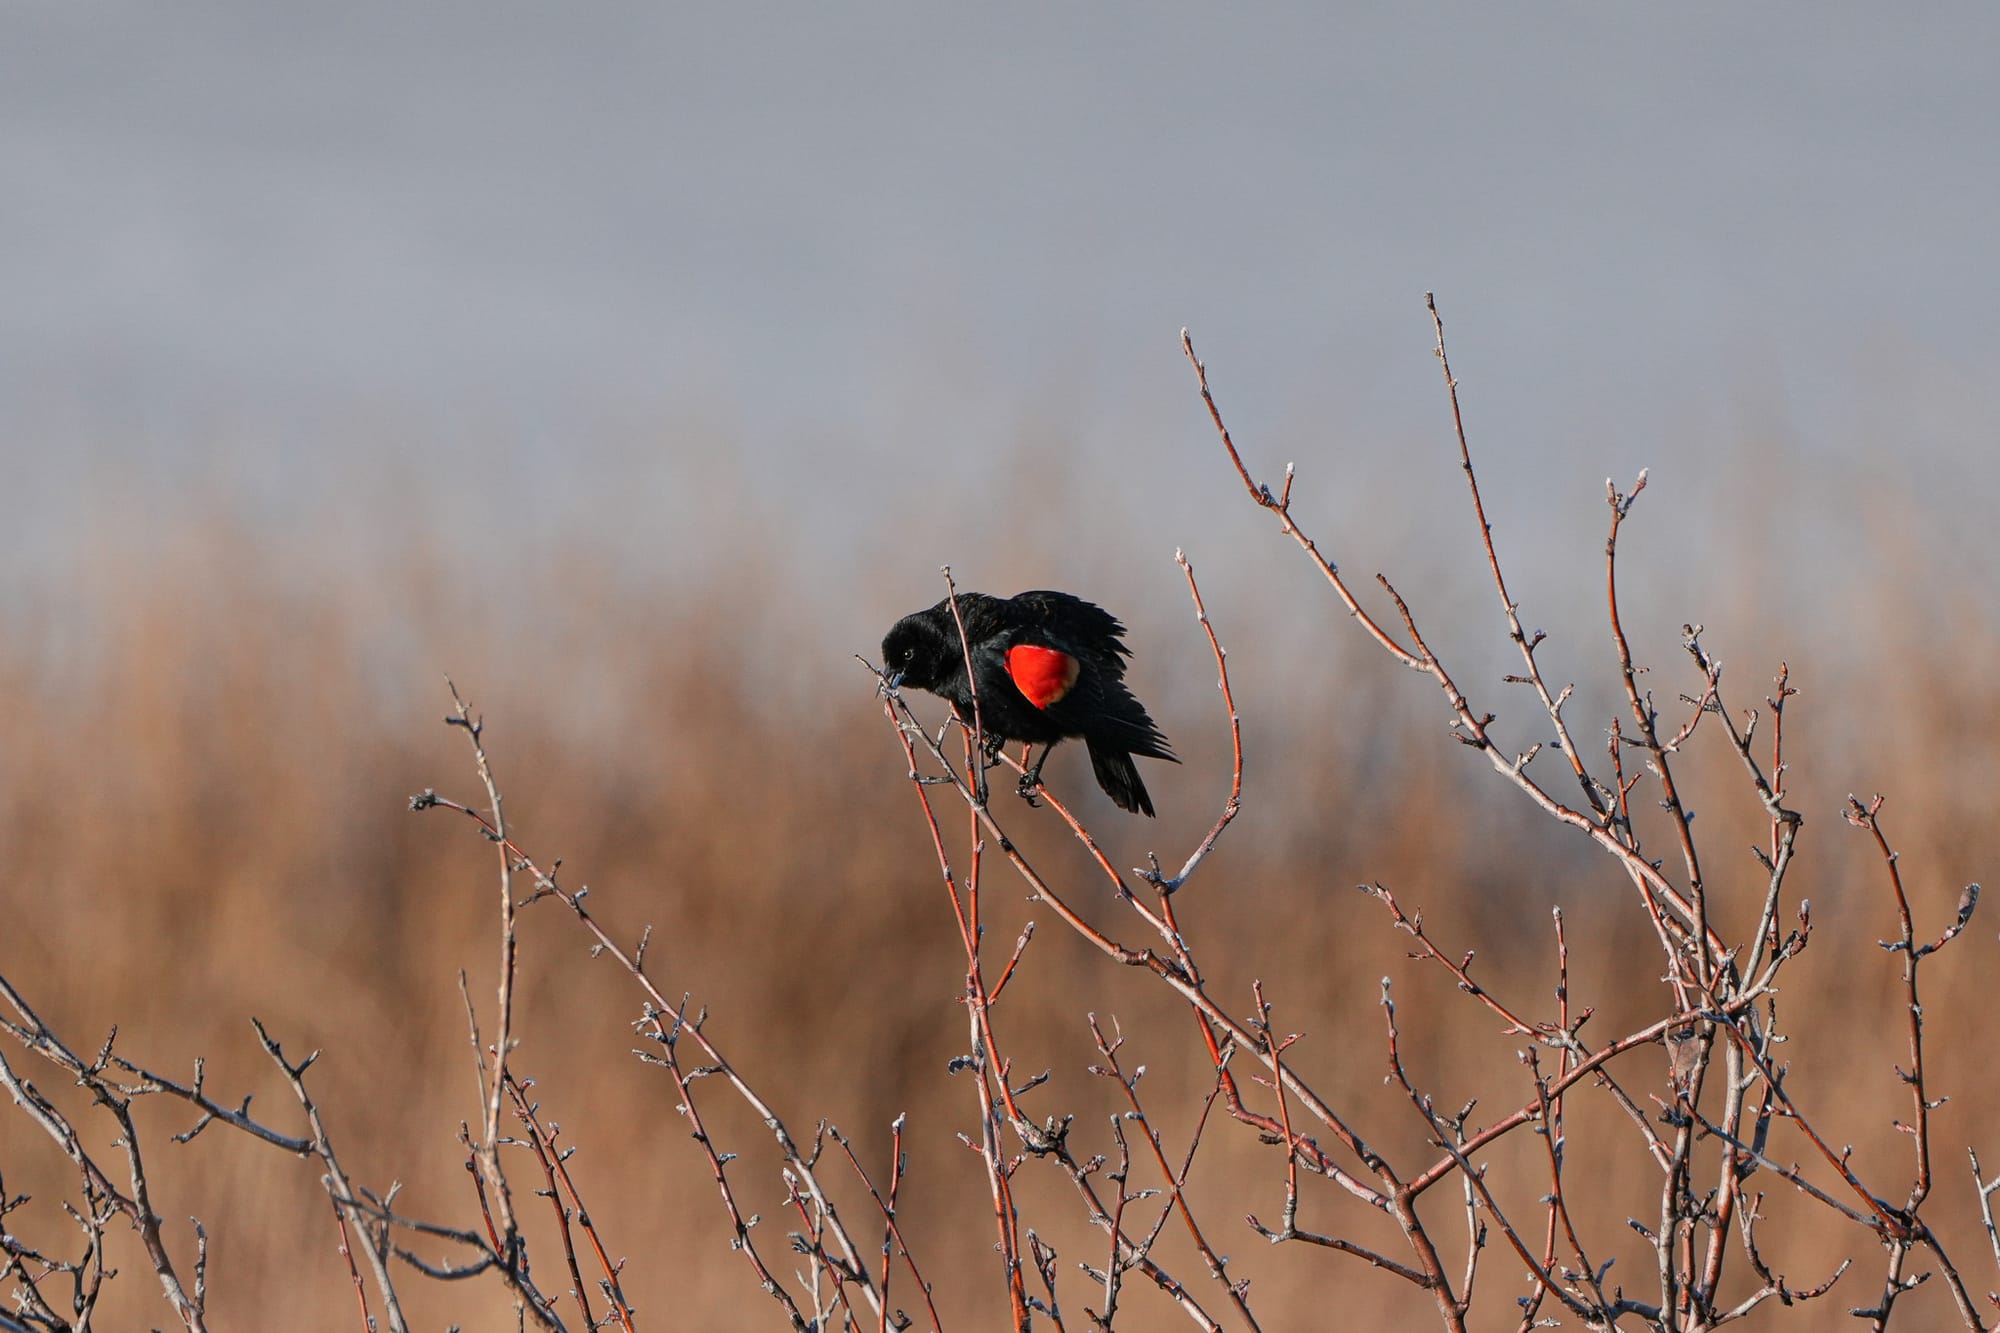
(1079, 627)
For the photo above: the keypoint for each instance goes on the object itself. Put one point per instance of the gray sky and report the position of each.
(556, 253)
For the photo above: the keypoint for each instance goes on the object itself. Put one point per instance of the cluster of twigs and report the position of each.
(54, 1292)
(60, 1289)
(1710, 1136)
(1724, 1123)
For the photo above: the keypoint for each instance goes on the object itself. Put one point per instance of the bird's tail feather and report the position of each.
(1119, 777)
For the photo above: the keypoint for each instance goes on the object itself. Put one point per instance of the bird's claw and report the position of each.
(1030, 784)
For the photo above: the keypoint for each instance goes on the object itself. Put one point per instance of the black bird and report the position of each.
(1048, 666)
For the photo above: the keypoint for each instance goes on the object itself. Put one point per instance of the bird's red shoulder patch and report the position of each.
(1043, 675)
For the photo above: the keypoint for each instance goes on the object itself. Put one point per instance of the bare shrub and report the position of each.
(1634, 1149)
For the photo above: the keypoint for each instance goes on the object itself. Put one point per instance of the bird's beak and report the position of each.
(896, 679)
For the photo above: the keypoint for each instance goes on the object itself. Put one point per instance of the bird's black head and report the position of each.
(922, 650)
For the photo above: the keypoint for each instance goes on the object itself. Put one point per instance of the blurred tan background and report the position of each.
(638, 371)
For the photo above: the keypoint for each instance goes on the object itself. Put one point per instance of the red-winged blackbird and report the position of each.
(1048, 665)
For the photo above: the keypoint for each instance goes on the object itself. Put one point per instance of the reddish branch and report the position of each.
(561, 1186)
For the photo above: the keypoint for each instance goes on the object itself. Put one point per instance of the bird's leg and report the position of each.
(989, 755)
(1031, 780)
